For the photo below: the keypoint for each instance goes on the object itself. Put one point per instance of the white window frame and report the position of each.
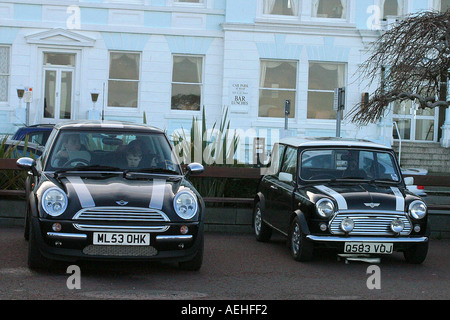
(7, 74)
(278, 17)
(177, 3)
(201, 84)
(326, 19)
(129, 109)
(295, 90)
(323, 90)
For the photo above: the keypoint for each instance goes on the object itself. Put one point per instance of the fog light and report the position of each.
(347, 225)
(397, 225)
(56, 227)
(184, 230)
(323, 227)
(417, 228)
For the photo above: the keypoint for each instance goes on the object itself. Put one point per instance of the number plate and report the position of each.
(368, 247)
(122, 239)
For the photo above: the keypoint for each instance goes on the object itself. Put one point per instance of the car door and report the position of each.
(282, 196)
(269, 183)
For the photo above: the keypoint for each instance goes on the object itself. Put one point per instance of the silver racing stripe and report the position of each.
(82, 191)
(342, 204)
(399, 199)
(159, 188)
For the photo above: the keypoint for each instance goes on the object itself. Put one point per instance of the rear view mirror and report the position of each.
(409, 181)
(285, 177)
(26, 163)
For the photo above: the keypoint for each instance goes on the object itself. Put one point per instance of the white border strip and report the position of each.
(342, 204)
(399, 199)
(82, 191)
(159, 188)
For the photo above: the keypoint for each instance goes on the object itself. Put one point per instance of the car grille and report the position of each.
(128, 219)
(370, 224)
(120, 251)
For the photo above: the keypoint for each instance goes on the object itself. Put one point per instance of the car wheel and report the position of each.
(262, 231)
(35, 259)
(196, 263)
(416, 254)
(301, 248)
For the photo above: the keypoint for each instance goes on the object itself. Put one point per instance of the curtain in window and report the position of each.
(316, 4)
(268, 6)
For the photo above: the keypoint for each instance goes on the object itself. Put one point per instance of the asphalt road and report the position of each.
(236, 267)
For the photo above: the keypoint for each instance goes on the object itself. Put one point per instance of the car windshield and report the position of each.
(348, 164)
(109, 150)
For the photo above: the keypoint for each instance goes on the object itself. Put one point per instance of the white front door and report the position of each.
(415, 124)
(58, 74)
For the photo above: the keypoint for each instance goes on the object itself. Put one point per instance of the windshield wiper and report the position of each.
(150, 170)
(88, 168)
(389, 181)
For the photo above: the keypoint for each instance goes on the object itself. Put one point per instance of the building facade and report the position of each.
(167, 61)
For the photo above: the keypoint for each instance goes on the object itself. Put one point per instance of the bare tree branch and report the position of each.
(415, 57)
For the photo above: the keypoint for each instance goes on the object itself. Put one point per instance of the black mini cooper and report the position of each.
(110, 190)
(344, 194)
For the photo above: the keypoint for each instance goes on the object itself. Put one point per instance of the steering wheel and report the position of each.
(76, 162)
(322, 176)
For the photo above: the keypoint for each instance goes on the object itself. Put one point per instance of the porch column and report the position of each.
(445, 140)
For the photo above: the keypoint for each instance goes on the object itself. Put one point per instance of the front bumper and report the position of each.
(336, 242)
(71, 244)
(366, 239)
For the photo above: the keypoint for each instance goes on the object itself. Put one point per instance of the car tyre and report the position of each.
(417, 253)
(196, 263)
(35, 259)
(263, 232)
(301, 248)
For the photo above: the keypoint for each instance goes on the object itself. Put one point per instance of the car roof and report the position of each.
(331, 142)
(93, 124)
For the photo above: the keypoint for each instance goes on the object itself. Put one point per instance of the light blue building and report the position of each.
(170, 59)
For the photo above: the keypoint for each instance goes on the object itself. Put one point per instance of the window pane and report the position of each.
(124, 66)
(66, 95)
(330, 9)
(3, 88)
(424, 129)
(271, 103)
(320, 105)
(290, 161)
(325, 76)
(391, 8)
(281, 7)
(4, 60)
(60, 59)
(186, 97)
(404, 126)
(187, 69)
(445, 5)
(122, 93)
(192, 1)
(278, 74)
(49, 94)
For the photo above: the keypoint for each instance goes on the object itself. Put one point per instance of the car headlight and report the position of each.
(54, 201)
(185, 204)
(417, 209)
(325, 207)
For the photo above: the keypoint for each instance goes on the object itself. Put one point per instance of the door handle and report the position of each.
(273, 187)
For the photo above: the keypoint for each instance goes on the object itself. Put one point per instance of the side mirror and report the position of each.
(26, 163)
(285, 177)
(409, 181)
(194, 168)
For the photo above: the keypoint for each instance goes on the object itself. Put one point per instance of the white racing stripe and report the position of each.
(157, 200)
(399, 199)
(342, 204)
(82, 191)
